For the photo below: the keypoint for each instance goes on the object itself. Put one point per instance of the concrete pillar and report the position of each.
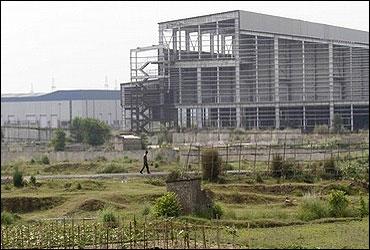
(199, 95)
(218, 97)
(218, 40)
(276, 67)
(351, 117)
(237, 72)
(257, 118)
(303, 88)
(199, 42)
(331, 85)
(179, 30)
(256, 51)
(187, 41)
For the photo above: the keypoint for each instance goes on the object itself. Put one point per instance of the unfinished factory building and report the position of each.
(240, 69)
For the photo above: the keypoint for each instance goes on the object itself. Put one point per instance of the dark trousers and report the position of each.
(147, 168)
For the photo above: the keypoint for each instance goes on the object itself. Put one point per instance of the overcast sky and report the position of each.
(79, 43)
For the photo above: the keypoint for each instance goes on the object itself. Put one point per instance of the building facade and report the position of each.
(249, 70)
(57, 109)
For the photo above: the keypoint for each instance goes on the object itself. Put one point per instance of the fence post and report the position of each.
(199, 159)
(204, 238)
(187, 158)
(240, 150)
(284, 146)
(268, 161)
(310, 154)
(255, 158)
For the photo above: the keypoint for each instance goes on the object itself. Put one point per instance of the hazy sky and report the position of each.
(79, 43)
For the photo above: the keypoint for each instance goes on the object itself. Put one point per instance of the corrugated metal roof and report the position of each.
(61, 95)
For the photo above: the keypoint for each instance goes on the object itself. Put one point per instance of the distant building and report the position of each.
(58, 108)
(240, 69)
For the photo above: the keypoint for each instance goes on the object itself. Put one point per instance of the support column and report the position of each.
(218, 40)
(303, 88)
(187, 41)
(257, 94)
(199, 95)
(331, 85)
(179, 30)
(235, 51)
(351, 79)
(257, 117)
(199, 42)
(218, 97)
(276, 67)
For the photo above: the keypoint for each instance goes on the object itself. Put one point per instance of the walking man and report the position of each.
(145, 158)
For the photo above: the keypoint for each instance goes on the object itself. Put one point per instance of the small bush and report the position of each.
(156, 165)
(109, 217)
(113, 168)
(312, 208)
(216, 211)
(338, 203)
(173, 175)
(321, 129)
(155, 182)
(101, 159)
(364, 208)
(167, 205)
(59, 140)
(288, 169)
(211, 164)
(158, 157)
(227, 166)
(33, 180)
(7, 218)
(277, 166)
(79, 187)
(330, 169)
(18, 178)
(32, 161)
(308, 178)
(145, 211)
(259, 179)
(45, 160)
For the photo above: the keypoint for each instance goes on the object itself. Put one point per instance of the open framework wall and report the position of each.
(242, 69)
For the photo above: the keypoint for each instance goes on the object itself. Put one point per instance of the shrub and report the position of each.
(7, 218)
(89, 130)
(45, 160)
(308, 178)
(173, 175)
(288, 169)
(338, 203)
(277, 166)
(259, 179)
(312, 208)
(18, 178)
(211, 164)
(156, 165)
(167, 205)
(321, 129)
(59, 140)
(216, 211)
(79, 187)
(113, 168)
(330, 170)
(337, 124)
(155, 182)
(109, 217)
(364, 208)
(33, 180)
(32, 161)
(145, 211)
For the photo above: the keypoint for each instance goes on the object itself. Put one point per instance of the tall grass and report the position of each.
(313, 208)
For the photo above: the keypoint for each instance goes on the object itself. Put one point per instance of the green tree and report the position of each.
(59, 140)
(89, 130)
(95, 132)
(77, 129)
(337, 123)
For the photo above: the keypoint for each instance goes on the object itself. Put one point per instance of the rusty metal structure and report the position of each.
(241, 69)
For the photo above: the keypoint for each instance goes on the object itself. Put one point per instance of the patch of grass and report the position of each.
(113, 168)
(312, 208)
(155, 182)
(7, 218)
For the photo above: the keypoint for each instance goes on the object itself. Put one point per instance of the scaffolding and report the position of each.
(219, 75)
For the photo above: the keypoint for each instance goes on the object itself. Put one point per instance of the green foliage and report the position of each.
(109, 218)
(59, 140)
(355, 169)
(337, 124)
(113, 168)
(45, 160)
(79, 187)
(259, 179)
(33, 181)
(312, 208)
(211, 164)
(89, 130)
(146, 210)
(330, 169)
(155, 182)
(214, 212)
(338, 203)
(173, 175)
(18, 178)
(167, 205)
(7, 218)
(364, 208)
(277, 166)
(77, 129)
(321, 129)
(156, 165)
